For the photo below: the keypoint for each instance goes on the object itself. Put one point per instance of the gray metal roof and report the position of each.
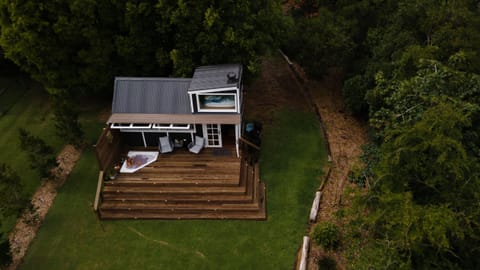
(213, 77)
(151, 95)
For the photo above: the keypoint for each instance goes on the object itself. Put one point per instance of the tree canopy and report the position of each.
(79, 46)
(416, 76)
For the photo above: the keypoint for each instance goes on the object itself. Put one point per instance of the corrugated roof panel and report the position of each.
(151, 95)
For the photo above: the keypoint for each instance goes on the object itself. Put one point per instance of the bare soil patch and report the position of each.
(273, 90)
(29, 222)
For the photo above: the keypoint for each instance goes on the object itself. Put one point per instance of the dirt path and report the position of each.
(346, 135)
(272, 91)
(27, 225)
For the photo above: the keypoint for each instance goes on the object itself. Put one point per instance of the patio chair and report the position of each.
(165, 145)
(197, 145)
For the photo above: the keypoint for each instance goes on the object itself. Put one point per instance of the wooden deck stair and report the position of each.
(185, 186)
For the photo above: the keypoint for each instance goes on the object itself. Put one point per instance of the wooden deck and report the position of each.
(214, 184)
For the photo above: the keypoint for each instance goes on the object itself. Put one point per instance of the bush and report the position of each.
(5, 255)
(12, 196)
(327, 263)
(320, 43)
(67, 126)
(326, 235)
(354, 90)
(361, 174)
(40, 155)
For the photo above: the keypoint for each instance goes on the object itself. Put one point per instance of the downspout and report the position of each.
(237, 129)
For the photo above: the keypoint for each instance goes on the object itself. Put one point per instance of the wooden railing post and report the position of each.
(99, 189)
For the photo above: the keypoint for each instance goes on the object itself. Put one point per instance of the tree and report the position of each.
(394, 102)
(40, 155)
(59, 43)
(404, 33)
(220, 32)
(67, 126)
(5, 254)
(79, 46)
(11, 190)
(424, 201)
(320, 43)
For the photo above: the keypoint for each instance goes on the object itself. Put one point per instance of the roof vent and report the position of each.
(232, 77)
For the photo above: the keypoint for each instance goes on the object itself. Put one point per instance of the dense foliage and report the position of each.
(416, 75)
(40, 154)
(12, 197)
(414, 72)
(67, 126)
(5, 254)
(326, 235)
(79, 46)
(319, 43)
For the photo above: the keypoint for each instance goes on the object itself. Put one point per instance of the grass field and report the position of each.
(23, 104)
(292, 157)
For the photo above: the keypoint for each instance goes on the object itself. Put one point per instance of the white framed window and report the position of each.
(217, 102)
(130, 126)
(172, 126)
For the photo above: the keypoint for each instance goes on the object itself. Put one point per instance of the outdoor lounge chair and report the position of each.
(197, 145)
(165, 145)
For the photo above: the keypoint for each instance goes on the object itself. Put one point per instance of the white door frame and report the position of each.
(212, 139)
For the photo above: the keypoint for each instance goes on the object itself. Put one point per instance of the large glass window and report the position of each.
(218, 102)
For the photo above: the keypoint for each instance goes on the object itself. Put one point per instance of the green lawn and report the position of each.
(292, 157)
(26, 105)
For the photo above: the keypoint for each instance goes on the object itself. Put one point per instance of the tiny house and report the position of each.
(209, 105)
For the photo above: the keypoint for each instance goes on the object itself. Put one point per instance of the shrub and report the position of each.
(361, 174)
(31, 215)
(12, 197)
(5, 255)
(354, 90)
(67, 126)
(40, 155)
(326, 235)
(327, 263)
(320, 43)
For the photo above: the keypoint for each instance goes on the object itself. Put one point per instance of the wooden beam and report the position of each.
(249, 143)
(315, 206)
(99, 189)
(304, 257)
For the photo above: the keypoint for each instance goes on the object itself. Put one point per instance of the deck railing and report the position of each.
(108, 148)
(249, 150)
